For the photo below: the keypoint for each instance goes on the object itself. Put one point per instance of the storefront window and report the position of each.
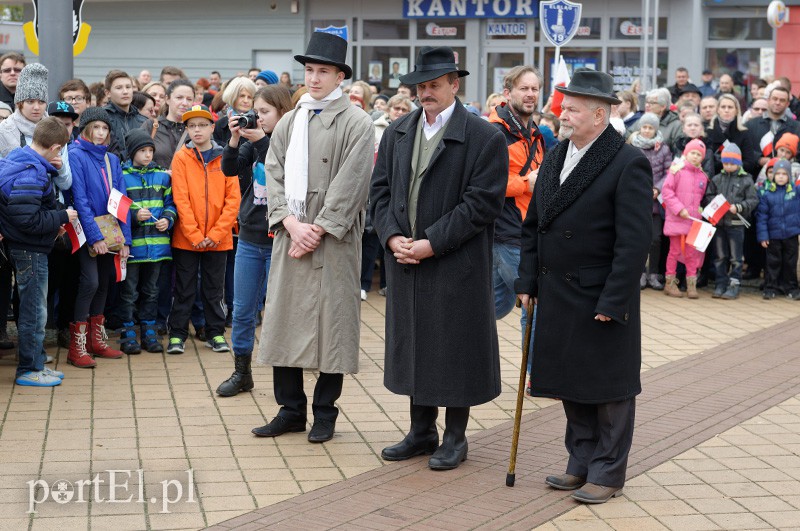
(631, 28)
(589, 29)
(574, 57)
(510, 29)
(383, 65)
(743, 64)
(624, 64)
(739, 29)
(441, 29)
(497, 66)
(385, 29)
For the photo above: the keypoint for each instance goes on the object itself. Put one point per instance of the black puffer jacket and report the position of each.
(247, 161)
(714, 140)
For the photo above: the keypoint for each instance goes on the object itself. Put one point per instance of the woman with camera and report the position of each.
(246, 159)
(169, 129)
(238, 96)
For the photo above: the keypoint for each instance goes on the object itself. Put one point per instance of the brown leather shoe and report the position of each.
(591, 493)
(565, 482)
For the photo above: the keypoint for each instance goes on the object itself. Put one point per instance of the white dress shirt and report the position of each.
(574, 156)
(438, 123)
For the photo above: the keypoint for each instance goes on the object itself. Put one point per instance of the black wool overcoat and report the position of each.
(441, 337)
(584, 245)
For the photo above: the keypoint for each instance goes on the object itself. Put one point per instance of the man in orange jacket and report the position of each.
(208, 203)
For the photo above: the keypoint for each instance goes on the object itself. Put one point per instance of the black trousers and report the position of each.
(288, 387)
(97, 273)
(212, 283)
(781, 271)
(598, 440)
(63, 273)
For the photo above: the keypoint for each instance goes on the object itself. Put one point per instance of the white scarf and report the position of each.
(296, 167)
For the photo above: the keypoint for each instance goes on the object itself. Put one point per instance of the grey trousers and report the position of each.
(598, 440)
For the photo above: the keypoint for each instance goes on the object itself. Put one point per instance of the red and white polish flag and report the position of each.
(766, 144)
(561, 79)
(700, 235)
(76, 235)
(716, 209)
(119, 204)
(121, 266)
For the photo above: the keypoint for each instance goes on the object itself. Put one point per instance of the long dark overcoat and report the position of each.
(584, 245)
(441, 338)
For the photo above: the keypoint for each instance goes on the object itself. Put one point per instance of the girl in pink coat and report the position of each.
(682, 192)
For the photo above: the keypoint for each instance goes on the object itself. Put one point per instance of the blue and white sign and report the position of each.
(333, 30)
(560, 20)
(469, 8)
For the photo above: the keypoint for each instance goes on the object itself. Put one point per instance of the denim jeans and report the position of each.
(31, 274)
(141, 280)
(505, 266)
(729, 244)
(250, 279)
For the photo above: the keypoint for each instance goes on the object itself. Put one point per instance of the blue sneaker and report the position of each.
(37, 379)
(52, 372)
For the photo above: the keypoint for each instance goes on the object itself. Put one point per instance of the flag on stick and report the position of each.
(716, 209)
(121, 265)
(76, 235)
(119, 204)
(700, 235)
(561, 79)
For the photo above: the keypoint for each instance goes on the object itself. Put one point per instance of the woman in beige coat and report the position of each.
(312, 311)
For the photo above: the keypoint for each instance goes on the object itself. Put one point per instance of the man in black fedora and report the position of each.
(318, 167)
(584, 244)
(438, 184)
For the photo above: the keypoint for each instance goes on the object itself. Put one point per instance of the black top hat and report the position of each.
(432, 62)
(326, 49)
(588, 83)
(690, 87)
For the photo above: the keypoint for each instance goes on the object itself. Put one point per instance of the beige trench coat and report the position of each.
(312, 313)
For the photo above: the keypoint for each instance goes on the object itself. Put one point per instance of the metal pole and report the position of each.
(655, 44)
(55, 42)
(645, 19)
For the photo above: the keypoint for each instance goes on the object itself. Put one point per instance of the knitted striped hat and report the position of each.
(731, 154)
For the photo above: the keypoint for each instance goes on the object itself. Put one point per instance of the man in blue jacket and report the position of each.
(30, 222)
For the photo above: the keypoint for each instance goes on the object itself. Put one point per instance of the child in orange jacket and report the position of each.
(207, 203)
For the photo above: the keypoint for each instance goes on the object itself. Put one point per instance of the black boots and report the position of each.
(422, 439)
(240, 380)
(454, 443)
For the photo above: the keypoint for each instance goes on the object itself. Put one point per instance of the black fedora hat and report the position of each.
(327, 49)
(432, 62)
(690, 87)
(588, 83)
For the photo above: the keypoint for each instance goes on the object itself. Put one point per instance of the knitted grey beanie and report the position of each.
(32, 83)
(650, 119)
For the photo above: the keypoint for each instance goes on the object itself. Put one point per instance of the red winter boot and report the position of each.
(77, 347)
(97, 339)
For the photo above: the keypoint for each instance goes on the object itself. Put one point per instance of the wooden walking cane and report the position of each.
(523, 370)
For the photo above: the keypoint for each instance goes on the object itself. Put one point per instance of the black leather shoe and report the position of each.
(448, 457)
(406, 449)
(278, 426)
(321, 431)
(565, 482)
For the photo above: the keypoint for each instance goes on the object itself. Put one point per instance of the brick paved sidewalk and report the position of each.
(684, 403)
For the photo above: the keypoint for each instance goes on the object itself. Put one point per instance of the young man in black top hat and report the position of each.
(317, 168)
(438, 185)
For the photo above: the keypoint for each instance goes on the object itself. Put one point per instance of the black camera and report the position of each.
(248, 120)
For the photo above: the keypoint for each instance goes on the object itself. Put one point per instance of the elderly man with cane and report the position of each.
(584, 243)
(438, 185)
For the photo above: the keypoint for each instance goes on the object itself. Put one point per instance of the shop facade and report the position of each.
(488, 36)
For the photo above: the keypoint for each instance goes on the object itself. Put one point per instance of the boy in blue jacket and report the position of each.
(30, 222)
(777, 227)
(152, 215)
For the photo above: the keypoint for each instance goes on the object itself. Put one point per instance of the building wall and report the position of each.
(197, 36)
